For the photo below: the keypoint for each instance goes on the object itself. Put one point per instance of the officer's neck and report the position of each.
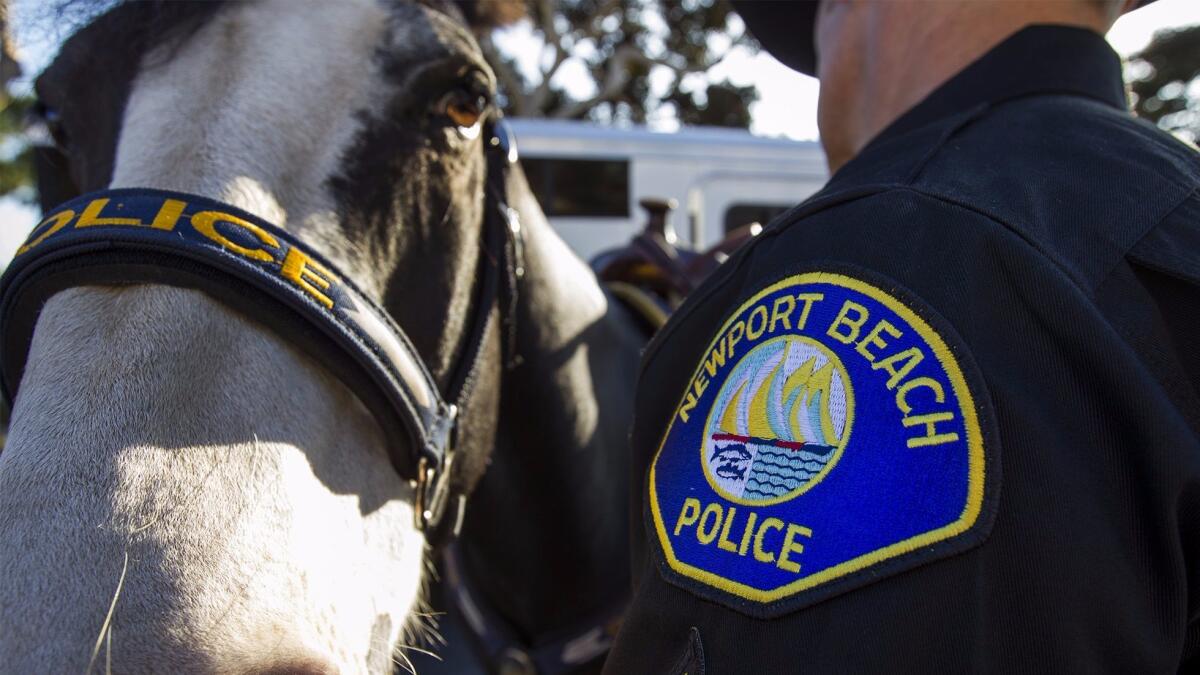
(877, 60)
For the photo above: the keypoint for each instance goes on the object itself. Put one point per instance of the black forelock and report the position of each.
(89, 80)
(141, 23)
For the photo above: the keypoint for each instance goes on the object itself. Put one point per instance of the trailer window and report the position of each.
(579, 187)
(742, 214)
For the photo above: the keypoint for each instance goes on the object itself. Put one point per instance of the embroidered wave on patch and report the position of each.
(777, 421)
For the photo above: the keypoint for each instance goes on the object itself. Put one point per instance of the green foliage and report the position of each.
(1160, 77)
(725, 105)
(623, 45)
(16, 157)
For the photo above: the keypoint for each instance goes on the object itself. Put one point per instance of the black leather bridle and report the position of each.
(139, 236)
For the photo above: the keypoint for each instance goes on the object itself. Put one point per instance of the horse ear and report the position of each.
(482, 15)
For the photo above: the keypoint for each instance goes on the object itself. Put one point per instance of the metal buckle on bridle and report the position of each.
(433, 499)
(432, 485)
(503, 140)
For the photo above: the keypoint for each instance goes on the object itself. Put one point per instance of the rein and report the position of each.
(148, 236)
(500, 644)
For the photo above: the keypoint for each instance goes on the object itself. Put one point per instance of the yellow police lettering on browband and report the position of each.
(309, 275)
(47, 228)
(827, 429)
(292, 264)
(205, 223)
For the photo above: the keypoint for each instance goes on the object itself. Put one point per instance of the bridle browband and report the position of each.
(148, 236)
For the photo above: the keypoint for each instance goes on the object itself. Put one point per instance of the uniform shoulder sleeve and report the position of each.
(1167, 263)
(1154, 301)
(898, 415)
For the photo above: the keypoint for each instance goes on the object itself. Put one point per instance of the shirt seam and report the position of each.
(824, 202)
(820, 203)
(1183, 262)
(1048, 254)
(1030, 242)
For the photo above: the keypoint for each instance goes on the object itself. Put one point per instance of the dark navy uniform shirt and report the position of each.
(943, 416)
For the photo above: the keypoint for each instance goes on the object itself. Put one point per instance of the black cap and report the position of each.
(785, 29)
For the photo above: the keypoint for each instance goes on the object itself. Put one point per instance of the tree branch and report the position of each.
(596, 29)
(508, 78)
(551, 36)
(615, 78)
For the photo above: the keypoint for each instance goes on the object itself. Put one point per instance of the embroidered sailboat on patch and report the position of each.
(780, 424)
(830, 436)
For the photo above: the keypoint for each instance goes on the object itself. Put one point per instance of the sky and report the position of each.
(787, 104)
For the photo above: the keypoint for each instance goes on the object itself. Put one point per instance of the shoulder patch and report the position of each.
(831, 435)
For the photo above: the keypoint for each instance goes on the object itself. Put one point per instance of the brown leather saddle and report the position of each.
(652, 274)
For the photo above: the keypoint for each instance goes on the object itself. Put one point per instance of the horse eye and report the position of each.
(52, 118)
(464, 108)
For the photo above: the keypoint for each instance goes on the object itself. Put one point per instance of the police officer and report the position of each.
(943, 416)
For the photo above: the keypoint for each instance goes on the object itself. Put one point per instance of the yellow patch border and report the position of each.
(975, 470)
(837, 455)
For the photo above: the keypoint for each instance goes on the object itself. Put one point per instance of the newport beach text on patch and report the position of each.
(827, 429)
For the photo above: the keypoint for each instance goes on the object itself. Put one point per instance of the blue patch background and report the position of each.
(880, 492)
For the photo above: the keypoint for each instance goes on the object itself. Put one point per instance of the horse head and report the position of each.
(183, 489)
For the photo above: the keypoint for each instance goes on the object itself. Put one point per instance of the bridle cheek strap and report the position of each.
(144, 236)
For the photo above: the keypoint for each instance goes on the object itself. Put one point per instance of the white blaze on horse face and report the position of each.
(249, 492)
(259, 109)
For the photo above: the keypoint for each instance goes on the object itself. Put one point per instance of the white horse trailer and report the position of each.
(589, 179)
